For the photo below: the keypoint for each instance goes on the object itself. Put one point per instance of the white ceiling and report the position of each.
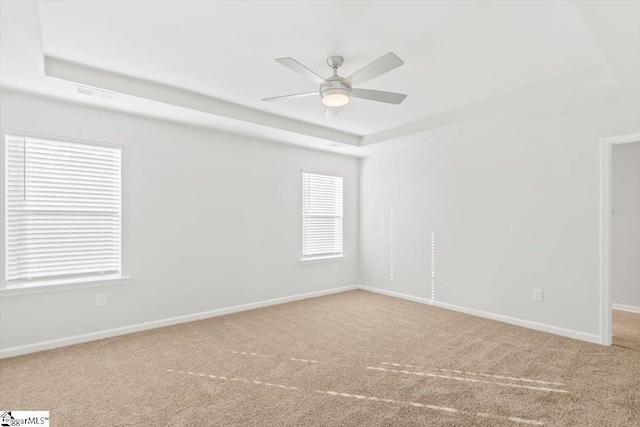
(458, 56)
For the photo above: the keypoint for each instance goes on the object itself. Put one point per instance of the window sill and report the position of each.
(316, 260)
(63, 285)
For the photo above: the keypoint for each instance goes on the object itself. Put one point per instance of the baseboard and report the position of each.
(493, 316)
(77, 339)
(629, 308)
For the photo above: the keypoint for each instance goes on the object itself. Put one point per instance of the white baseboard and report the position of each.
(629, 308)
(506, 319)
(77, 339)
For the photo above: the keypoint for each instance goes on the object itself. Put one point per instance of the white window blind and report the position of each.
(321, 215)
(62, 210)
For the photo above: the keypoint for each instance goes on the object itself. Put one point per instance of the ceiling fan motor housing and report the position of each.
(334, 92)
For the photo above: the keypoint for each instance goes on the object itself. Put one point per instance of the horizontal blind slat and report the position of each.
(68, 272)
(34, 247)
(66, 254)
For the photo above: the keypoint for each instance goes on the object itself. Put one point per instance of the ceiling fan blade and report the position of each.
(378, 95)
(297, 67)
(297, 95)
(380, 66)
(377, 68)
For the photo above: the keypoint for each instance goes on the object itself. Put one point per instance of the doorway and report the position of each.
(620, 241)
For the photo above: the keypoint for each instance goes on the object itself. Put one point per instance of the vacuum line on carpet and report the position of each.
(471, 380)
(243, 380)
(431, 375)
(370, 398)
(434, 407)
(269, 356)
(473, 373)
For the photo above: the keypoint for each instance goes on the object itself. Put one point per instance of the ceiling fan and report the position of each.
(336, 91)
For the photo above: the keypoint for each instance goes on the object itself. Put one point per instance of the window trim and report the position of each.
(302, 260)
(59, 283)
(316, 260)
(64, 285)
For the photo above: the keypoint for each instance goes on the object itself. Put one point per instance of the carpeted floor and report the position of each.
(350, 359)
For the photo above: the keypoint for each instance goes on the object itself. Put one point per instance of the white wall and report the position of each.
(210, 220)
(625, 237)
(511, 208)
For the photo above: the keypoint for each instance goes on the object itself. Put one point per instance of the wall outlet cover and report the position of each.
(537, 294)
(101, 300)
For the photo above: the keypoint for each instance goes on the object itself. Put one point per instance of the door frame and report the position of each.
(606, 149)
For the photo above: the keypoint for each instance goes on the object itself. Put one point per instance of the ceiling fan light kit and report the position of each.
(336, 91)
(335, 97)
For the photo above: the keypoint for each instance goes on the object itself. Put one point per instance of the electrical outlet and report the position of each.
(101, 300)
(537, 294)
(335, 269)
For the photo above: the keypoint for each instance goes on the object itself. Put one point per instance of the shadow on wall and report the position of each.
(387, 246)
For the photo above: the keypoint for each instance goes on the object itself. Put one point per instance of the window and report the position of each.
(321, 216)
(62, 211)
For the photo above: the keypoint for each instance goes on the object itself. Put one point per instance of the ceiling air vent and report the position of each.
(338, 145)
(99, 93)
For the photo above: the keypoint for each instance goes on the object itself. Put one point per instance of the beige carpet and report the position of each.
(351, 359)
